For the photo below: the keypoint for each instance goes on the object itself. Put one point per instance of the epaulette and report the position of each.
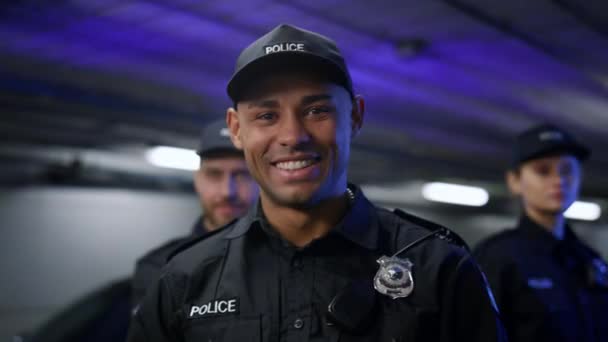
(440, 231)
(191, 242)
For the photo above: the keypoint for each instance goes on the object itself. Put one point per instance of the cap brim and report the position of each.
(271, 64)
(219, 152)
(581, 153)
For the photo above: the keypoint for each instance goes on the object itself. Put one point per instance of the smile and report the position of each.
(295, 164)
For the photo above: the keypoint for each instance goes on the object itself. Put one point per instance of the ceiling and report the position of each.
(89, 84)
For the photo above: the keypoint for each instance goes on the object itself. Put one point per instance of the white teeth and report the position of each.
(294, 165)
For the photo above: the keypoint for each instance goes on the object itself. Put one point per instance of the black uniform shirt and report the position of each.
(245, 283)
(543, 286)
(148, 267)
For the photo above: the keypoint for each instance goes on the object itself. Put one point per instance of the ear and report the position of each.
(513, 182)
(234, 126)
(198, 180)
(356, 117)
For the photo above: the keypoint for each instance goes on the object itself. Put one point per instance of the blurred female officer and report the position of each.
(548, 284)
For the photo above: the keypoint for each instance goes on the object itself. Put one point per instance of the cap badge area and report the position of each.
(283, 47)
(394, 277)
(550, 135)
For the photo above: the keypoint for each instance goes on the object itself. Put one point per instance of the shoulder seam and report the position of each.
(194, 241)
(443, 232)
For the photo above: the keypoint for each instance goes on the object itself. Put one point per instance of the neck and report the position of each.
(208, 225)
(553, 223)
(300, 226)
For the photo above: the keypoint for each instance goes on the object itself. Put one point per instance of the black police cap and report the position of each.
(288, 47)
(544, 140)
(215, 138)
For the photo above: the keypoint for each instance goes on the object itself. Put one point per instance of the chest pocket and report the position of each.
(544, 299)
(220, 329)
(401, 323)
(545, 314)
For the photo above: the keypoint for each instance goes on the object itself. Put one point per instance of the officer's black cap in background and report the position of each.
(545, 140)
(215, 141)
(288, 47)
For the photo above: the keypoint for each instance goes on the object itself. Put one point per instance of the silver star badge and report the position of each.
(394, 277)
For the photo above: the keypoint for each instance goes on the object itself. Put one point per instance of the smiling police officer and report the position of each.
(549, 285)
(314, 260)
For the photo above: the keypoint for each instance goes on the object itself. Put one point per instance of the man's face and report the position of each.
(549, 185)
(295, 131)
(225, 189)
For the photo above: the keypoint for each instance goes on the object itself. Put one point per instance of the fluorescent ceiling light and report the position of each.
(173, 157)
(587, 211)
(455, 194)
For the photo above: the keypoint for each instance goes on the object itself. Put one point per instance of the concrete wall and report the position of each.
(58, 244)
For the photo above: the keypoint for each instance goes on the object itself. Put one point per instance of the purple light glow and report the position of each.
(111, 61)
(375, 84)
(476, 74)
(434, 137)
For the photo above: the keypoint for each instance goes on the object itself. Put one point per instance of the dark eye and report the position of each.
(266, 116)
(214, 174)
(542, 170)
(568, 169)
(318, 110)
(242, 176)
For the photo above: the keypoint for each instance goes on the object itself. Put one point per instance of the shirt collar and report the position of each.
(538, 233)
(198, 227)
(243, 224)
(360, 225)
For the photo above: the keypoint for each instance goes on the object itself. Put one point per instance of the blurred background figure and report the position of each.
(549, 285)
(225, 190)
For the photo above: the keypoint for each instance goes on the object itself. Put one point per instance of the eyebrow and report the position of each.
(213, 169)
(306, 100)
(264, 104)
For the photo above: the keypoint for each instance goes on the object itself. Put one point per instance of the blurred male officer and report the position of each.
(549, 285)
(314, 260)
(225, 190)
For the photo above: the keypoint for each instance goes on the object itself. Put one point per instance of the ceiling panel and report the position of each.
(449, 81)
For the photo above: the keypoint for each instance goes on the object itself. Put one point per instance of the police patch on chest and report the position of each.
(214, 308)
(394, 277)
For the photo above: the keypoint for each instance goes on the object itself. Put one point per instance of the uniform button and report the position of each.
(298, 323)
(297, 263)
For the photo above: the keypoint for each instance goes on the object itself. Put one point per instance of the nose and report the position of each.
(228, 187)
(559, 179)
(292, 132)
